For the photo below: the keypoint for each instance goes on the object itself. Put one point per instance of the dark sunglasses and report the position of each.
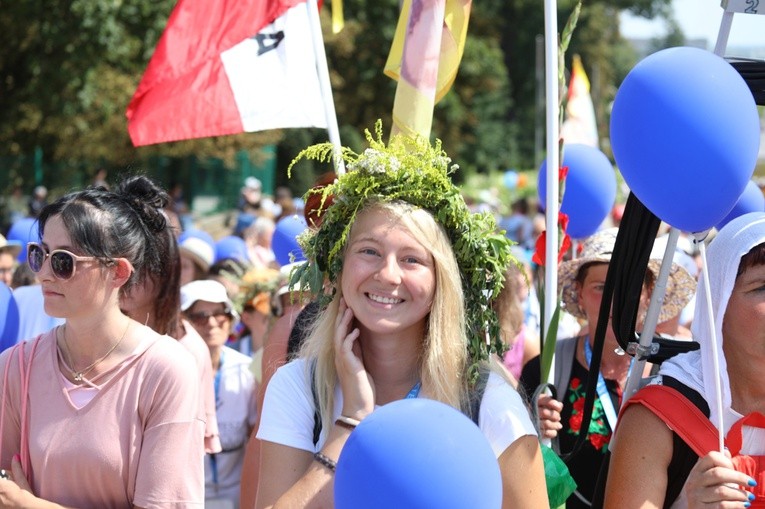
(203, 317)
(62, 262)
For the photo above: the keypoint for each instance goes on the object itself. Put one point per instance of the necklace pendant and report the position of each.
(78, 377)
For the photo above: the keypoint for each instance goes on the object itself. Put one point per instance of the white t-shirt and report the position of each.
(288, 411)
(235, 407)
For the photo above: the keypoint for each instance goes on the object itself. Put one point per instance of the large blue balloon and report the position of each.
(284, 242)
(9, 318)
(751, 200)
(685, 134)
(417, 453)
(590, 188)
(23, 231)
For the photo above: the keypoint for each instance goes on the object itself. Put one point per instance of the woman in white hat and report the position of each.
(679, 469)
(8, 254)
(207, 306)
(581, 281)
(196, 258)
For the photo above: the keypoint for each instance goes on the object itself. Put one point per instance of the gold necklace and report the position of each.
(80, 374)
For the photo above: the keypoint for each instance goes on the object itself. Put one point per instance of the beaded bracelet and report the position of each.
(347, 422)
(324, 460)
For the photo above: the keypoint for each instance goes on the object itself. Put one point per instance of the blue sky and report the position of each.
(701, 19)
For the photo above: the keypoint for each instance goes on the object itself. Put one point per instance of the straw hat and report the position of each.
(598, 248)
(199, 251)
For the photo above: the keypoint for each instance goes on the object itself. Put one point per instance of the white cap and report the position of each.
(199, 251)
(205, 290)
(12, 247)
(253, 183)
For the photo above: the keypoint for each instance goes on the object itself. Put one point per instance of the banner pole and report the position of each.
(326, 87)
(551, 206)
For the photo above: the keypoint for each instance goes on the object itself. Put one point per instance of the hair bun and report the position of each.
(147, 199)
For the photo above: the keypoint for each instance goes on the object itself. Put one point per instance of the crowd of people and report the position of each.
(177, 369)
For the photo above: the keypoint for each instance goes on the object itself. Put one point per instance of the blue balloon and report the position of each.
(685, 134)
(9, 318)
(23, 231)
(199, 234)
(416, 453)
(231, 247)
(590, 188)
(751, 200)
(510, 179)
(284, 242)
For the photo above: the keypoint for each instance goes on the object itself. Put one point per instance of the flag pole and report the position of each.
(551, 207)
(326, 87)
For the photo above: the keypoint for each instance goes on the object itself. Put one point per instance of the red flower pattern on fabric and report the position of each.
(599, 434)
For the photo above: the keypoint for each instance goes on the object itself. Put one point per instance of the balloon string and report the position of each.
(715, 350)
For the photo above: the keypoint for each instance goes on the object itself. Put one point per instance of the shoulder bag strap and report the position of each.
(682, 416)
(565, 351)
(25, 370)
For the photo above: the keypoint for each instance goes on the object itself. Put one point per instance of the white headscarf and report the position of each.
(724, 254)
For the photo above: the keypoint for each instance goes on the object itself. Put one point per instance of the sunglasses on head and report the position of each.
(62, 262)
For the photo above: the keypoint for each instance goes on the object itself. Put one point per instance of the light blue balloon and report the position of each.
(417, 453)
(685, 134)
(510, 179)
(199, 234)
(590, 188)
(751, 200)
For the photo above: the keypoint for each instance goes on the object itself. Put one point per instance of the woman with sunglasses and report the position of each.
(207, 306)
(94, 410)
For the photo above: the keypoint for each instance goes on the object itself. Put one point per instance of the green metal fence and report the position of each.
(209, 185)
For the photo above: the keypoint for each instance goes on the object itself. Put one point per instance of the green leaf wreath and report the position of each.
(413, 171)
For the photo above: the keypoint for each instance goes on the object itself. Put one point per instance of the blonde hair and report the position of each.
(444, 354)
(509, 305)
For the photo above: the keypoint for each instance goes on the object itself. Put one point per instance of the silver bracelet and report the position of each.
(347, 422)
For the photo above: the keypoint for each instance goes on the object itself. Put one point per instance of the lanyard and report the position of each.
(217, 381)
(415, 391)
(603, 394)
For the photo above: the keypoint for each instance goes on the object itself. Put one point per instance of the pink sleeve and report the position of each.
(171, 469)
(10, 435)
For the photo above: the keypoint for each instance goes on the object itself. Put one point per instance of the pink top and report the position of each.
(137, 442)
(194, 343)
(513, 359)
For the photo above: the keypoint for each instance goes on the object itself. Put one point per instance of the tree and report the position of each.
(68, 69)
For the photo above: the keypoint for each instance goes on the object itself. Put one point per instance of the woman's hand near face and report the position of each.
(355, 382)
(549, 410)
(714, 483)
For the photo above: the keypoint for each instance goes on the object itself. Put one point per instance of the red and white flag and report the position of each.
(227, 67)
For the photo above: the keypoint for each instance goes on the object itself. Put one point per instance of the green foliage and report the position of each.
(415, 172)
